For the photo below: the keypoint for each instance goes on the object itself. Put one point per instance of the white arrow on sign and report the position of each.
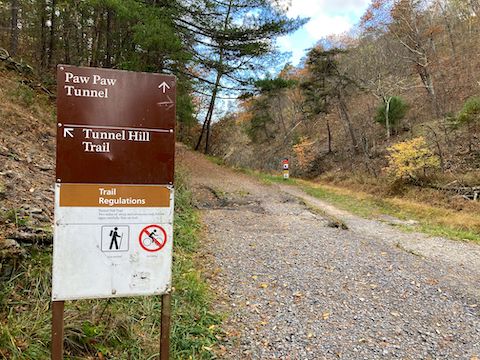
(68, 131)
(164, 86)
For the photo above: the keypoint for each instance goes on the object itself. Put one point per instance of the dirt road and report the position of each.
(293, 287)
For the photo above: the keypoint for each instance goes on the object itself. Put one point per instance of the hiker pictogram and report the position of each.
(152, 238)
(114, 235)
(115, 238)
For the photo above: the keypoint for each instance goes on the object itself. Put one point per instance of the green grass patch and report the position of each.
(432, 220)
(126, 328)
(215, 160)
(274, 179)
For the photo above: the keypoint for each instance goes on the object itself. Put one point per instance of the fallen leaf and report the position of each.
(263, 285)
(325, 315)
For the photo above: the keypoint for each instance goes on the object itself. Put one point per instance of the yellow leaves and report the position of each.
(325, 315)
(264, 285)
(409, 159)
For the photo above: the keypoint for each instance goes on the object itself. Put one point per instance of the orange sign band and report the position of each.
(99, 195)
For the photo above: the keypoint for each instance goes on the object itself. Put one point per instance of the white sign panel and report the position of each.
(112, 240)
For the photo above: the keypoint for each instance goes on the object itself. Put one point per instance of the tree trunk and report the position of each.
(96, 39)
(66, 37)
(427, 81)
(51, 47)
(344, 115)
(208, 117)
(43, 35)
(448, 26)
(280, 114)
(14, 29)
(329, 137)
(108, 55)
(387, 115)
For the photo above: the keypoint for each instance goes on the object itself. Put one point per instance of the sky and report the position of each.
(327, 17)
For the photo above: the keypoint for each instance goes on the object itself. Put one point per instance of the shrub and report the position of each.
(470, 111)
(410, 160)
(396, 111)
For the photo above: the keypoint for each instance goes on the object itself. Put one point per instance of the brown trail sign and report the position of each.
(114, 193)
(115, 126)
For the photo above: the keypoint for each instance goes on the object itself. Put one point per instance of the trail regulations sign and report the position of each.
(114, 190)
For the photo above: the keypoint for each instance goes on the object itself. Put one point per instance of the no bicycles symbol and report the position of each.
(152, 238)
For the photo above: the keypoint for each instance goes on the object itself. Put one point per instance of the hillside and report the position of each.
(390, 106)
(27, 163)
(125, 328)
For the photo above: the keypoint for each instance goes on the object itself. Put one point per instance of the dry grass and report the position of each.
(431, 208)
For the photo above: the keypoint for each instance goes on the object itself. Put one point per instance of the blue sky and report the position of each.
(327, 17)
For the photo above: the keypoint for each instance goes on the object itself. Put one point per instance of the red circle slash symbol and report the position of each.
(152, 238)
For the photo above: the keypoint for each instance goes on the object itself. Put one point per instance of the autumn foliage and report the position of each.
(400, 92)
(411, 160)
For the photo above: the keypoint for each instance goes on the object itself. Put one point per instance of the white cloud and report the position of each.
(322, 25)
(314, 8)
(328, 16)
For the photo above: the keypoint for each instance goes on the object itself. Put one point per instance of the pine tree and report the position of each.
(231, 39)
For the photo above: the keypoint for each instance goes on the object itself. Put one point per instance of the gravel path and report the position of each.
(295, 288)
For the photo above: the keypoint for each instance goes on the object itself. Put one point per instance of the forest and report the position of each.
(370, 248)
(393, 101)
(211, 46)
